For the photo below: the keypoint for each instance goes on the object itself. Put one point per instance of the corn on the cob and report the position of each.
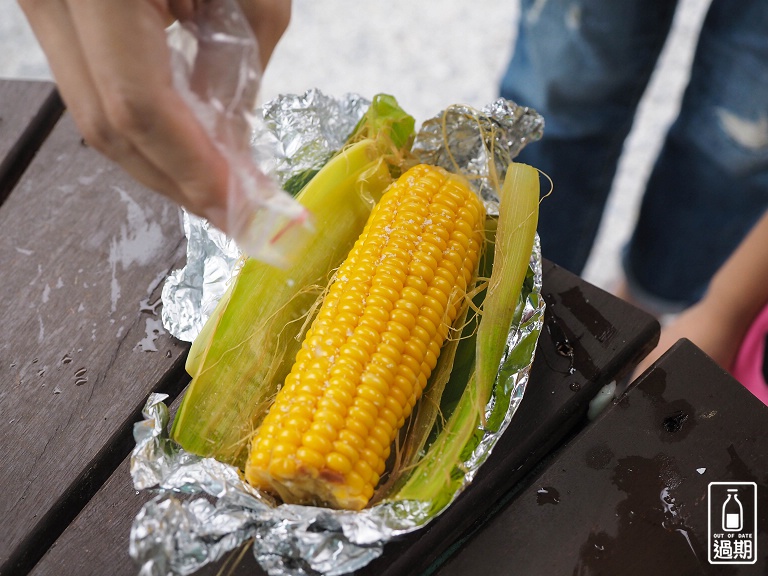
(371, 349)
(248, 345)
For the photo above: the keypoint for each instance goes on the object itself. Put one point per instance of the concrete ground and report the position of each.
(430, 55)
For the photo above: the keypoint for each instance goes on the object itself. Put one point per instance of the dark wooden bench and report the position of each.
(84, 251)
(629, 495)
(83, 254)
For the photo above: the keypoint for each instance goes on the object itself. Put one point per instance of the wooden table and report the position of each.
(629, 495)
(83, 253)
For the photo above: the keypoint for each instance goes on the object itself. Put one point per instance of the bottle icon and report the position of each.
(733, 512)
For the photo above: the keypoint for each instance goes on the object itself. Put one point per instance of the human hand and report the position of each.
(706, 324)
(113, 69)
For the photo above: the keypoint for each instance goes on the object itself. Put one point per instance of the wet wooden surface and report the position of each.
(629, 495)
(83, 254)
(28, 111)
(84, 251)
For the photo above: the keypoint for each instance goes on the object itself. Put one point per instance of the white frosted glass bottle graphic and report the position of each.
(733, 512)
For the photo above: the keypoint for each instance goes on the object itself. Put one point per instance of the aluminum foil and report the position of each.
(479, 143)
(191, 294)
(204, 509)
(300, 132)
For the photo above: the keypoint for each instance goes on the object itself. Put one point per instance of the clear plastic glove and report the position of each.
(113, 67)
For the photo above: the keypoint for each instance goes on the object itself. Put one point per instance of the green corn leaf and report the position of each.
(438, 475)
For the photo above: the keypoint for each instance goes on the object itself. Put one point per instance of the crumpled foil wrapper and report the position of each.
(191, 294)
(203, 508)
(300, 132)
(479, 143)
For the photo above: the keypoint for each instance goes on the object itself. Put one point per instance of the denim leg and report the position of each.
(710, 183)
(582, 64)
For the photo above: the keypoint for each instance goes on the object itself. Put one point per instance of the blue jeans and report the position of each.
(584, 65)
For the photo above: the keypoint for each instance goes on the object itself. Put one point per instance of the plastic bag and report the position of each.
(216, 69)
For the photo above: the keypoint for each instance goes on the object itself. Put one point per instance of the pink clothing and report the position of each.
(748, 365)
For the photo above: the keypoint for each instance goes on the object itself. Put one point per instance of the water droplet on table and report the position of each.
(674, 423)
(547, 495)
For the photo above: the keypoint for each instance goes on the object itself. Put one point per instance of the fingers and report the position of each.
(183, 9)
(269, 20)
(125, 48)
(52, 23)
(113, 69)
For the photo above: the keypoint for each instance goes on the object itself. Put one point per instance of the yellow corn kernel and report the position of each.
(373, 344)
